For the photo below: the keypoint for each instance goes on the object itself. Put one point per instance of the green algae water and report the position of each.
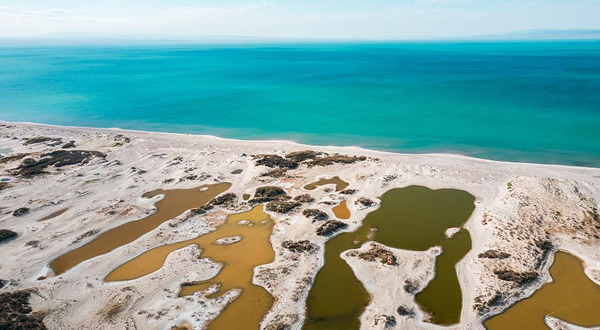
(520, 101)
(412, 218)
(571, 296)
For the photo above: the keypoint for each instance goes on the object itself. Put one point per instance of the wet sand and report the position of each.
(174, 203)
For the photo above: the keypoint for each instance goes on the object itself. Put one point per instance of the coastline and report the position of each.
(485, 179)
(295, 144)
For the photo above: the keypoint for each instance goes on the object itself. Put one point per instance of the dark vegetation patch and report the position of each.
(494, 254)
(410, 286)
(274, 161)
(304, 198)
(224, 200)
(86, 234)
(482, 305)
(16, 313)
(545, 247)
(42, 139)
(201, 210)
(275, 173)
(69, 145)
(268, 194)
(281, 206)
(195, 177)
(335, 159)
(376, 253)
(348, 191)
(122, 138)
(21, 211)
(11, 158)
(311, 158)
(31, 167)
(330, 227)
(520, 278)
(2, 283)
(303, 155)
(6, 235)
(364, 201)
(299, 246)
(405, 311)
(315, 214)
(388, 321)
(4, 185)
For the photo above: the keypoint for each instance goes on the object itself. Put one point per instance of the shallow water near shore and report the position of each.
(238, 261)
(519, 101)
(571, 297)
(174, 203)
(412, 218)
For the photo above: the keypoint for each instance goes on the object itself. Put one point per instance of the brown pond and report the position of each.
(238, 259)
(175, 202)
(339, 184)
(341, 211)
(53, 214)
(571, 297)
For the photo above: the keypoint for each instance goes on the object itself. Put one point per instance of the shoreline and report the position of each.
(154, 153)
(354, 148)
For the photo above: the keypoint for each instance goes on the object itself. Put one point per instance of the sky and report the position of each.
(344, 19)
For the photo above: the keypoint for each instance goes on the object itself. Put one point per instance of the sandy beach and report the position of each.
(527, 211)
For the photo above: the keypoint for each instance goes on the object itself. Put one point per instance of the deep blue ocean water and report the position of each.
(517, 101)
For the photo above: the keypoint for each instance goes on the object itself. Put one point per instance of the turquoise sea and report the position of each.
(517, 101)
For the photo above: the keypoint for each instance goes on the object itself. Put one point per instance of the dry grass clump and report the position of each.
(31, 167)
(281, 206)
(315, 214)
(303, 155)
(42, 139)
(330, 227)
(299, 246)
(6, 235)
(494, 254)
(377, 253)
(335, 159)
(274, 161)
(304, 198)
(16, 313)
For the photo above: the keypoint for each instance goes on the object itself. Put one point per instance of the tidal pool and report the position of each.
(175, 202)
(238, 260)
(571, 297)
(412, 218)
(341, 211)
(339, 184)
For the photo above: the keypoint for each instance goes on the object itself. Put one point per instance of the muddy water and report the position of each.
(238, 259)
(412, 218)
(53, 215)
(339, 184)
(571, 297)
(174, 203)
(341, 211)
